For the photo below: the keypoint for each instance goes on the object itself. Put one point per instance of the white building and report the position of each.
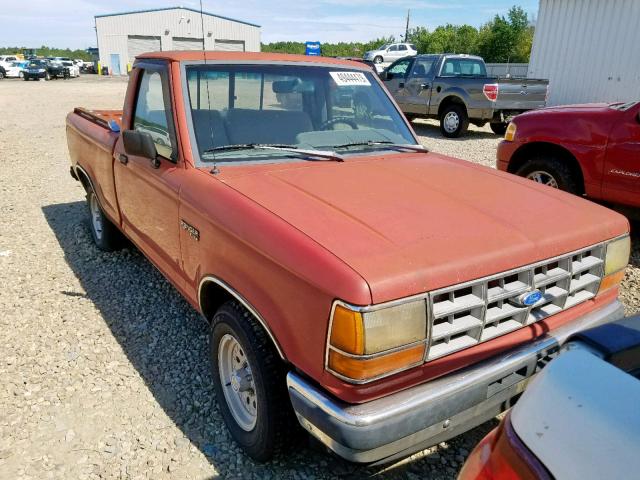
(122, 36)
(588, 49)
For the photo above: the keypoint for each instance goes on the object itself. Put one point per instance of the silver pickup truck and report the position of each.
(456, 90)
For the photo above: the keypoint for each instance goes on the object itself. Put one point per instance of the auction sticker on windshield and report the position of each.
(350, 78)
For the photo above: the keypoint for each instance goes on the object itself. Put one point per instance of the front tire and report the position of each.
(378, 59)
(47, 77)
(499, 128)
(249, 382)
(105, 234)
(550, 171)
(454, 121)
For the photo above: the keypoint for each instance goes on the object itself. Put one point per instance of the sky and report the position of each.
(69, 23)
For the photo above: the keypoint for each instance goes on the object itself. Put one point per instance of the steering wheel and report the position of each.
(344, 120)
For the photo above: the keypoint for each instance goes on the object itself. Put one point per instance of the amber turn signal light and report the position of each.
(368, 368)
(610, 281)
(347, 331)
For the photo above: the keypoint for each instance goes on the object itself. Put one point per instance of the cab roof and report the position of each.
(249, 57)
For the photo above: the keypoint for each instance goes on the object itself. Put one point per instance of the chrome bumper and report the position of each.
(414, 419)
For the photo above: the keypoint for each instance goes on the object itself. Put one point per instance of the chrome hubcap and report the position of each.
(451, 122)
(96, 217)
(540, 176)
(237, 382)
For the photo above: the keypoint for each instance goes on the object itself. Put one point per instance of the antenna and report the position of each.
(406, 31)
(214, 170)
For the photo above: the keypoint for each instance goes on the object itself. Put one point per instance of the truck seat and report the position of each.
(266, 126)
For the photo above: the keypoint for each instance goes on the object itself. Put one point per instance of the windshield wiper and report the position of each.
(384, 143)
(313, 154)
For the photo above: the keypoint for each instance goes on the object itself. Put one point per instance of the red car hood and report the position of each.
(409, 223)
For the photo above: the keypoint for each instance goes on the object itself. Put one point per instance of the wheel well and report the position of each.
(213, 294)
(83, 178)
(212, 297)
(538, 149)
(451, 100)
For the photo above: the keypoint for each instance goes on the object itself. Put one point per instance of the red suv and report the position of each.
(591, 150)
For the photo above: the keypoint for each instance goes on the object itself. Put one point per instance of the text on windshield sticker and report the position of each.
(350, 78)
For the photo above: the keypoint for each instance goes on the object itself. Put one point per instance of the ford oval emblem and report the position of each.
(529, 298)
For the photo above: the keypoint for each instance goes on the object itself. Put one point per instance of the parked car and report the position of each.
(7, 60)
(591, 150)
(16, 69)
(456, 90)
(579, 418)
(331, 252)
(391, 52)
(74, 70)
(42, 68)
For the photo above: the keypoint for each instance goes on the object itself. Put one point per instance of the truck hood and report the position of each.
(579, 109)
(409, 223)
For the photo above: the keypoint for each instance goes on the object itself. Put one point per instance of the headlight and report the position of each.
(41, 70)
(368, 343)
(510, 134)
(617, 258)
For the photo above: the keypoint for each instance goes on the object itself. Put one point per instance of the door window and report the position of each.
(393, 48)
(152, 114)
(402, 47)
(399, 69)
(422, 67)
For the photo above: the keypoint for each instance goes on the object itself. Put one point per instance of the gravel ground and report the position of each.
(103, 366)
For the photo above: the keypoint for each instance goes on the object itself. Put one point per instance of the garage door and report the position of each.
(229, 45)
(137, 44)
(180, 43)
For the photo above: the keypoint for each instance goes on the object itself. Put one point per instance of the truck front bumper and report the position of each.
(414, 419)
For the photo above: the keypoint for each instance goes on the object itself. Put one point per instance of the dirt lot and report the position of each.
(104, 368)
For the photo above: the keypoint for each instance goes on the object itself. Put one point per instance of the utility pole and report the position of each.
(406, 31)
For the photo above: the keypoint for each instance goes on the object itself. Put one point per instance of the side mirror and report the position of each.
(140, 144)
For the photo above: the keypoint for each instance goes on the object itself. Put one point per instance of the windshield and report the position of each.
(37, 64)
(300, 107)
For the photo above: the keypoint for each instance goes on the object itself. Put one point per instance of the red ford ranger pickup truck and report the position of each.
(389, 297)
(591, 150)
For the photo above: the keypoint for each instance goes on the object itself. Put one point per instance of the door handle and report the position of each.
(123, 158)
(424, 86)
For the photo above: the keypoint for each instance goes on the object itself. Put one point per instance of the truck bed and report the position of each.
(91, 137)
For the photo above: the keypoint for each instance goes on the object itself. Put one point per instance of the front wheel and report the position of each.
(454, 121)
(20, 74)
(47, 77)
(550, 171)
(105, 234)
(499, 128)
(378, 59)
(249, 382)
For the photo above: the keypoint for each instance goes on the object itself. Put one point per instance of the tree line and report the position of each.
(45, 51)
(505, 38)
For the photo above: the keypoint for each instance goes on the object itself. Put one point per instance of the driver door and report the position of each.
(395, 81)
(147, 191)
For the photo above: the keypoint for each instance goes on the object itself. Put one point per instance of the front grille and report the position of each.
(474, 312)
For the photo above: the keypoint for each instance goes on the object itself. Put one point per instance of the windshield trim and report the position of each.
(195, 154)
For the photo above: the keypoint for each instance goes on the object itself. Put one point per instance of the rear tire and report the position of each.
(499, 128)
(250, 387)
(47, 77)
(454, 121)
(105, 234)
(551, 171)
